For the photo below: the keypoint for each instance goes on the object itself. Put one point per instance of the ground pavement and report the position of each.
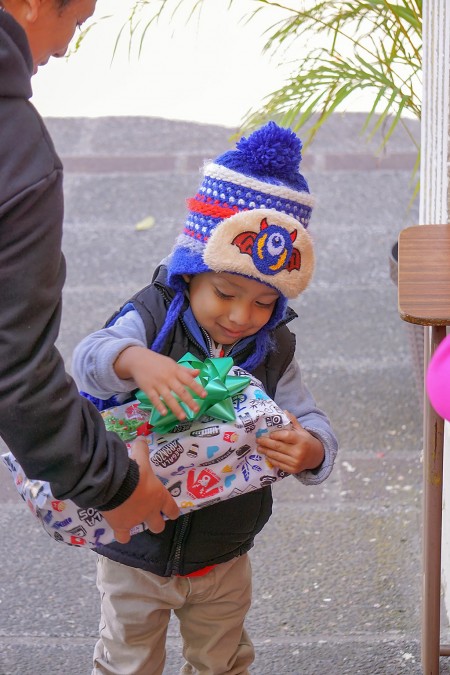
(337, 569)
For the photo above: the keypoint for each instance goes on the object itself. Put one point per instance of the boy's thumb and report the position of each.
(294, 421)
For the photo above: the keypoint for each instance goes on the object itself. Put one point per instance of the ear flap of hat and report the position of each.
(266, 245)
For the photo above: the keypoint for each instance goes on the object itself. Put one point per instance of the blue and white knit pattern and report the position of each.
(224, 192)
(260, 194)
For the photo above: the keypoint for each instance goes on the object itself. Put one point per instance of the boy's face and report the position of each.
(229, 306)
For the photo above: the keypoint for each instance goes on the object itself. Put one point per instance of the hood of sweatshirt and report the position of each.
(16, 62)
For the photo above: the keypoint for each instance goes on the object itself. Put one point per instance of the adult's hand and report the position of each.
(148, 503)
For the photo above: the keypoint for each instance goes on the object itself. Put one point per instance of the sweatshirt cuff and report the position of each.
(321, 473)
(126, 489)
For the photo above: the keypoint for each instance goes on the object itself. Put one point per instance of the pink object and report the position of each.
(438, 379)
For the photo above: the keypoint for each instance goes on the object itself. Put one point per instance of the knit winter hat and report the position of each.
(250, 215)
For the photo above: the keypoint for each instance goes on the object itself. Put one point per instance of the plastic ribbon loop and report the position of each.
(220, 388)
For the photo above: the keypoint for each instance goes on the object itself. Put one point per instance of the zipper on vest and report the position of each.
(208, 340)
(226, 349)
(192, 338)
(175, 562)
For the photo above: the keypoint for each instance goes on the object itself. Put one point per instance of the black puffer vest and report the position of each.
(222, 531)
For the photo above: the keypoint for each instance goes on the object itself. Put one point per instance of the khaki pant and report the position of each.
(135, 612)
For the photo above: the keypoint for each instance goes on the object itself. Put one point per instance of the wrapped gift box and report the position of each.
(200, 461)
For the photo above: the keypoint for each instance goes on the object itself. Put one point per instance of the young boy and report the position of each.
(244, 250)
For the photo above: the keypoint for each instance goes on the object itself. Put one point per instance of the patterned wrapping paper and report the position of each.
(200, 462)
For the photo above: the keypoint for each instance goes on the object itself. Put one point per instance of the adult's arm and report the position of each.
(55, 434)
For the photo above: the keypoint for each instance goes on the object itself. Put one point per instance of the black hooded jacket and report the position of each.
(55, 434)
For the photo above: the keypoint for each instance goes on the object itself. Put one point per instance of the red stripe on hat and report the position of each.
(211, 208)
(195, 235)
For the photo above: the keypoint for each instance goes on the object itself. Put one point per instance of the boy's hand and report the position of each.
(147, 504)
(292, 450)
(160, 376)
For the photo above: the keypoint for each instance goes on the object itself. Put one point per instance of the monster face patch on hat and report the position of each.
(264, 244)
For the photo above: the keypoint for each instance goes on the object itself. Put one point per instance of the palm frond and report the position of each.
(370, 45)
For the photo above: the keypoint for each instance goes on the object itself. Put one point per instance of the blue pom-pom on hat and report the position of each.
(272, 154)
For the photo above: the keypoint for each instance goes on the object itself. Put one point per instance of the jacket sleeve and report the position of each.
(54, 433)
(93, 358)
(293, 395)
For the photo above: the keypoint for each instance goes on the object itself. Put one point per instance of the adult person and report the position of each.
(55, 434)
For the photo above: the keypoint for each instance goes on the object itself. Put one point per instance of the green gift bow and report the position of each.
(220, 387)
